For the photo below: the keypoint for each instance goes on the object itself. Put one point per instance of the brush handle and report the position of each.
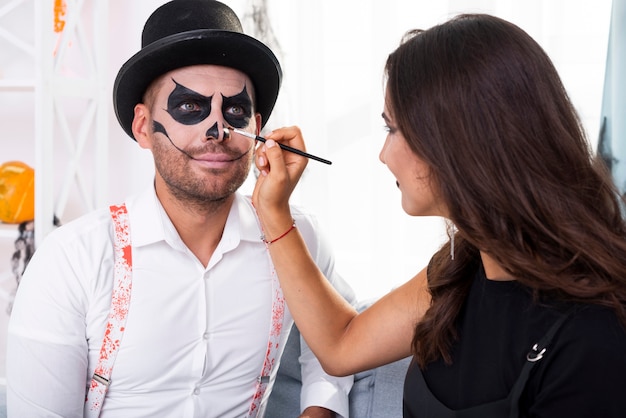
(285, 147)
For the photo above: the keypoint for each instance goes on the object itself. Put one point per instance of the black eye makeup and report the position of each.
(187, 106)
(237, 109)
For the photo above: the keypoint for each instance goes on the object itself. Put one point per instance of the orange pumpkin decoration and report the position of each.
(17, 192)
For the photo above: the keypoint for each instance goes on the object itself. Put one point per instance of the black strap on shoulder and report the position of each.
(535, 354)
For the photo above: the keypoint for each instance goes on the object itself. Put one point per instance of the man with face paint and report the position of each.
(168, 305)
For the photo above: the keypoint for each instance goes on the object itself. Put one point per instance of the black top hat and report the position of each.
(181, 33)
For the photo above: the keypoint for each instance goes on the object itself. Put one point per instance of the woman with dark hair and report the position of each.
(523, 311)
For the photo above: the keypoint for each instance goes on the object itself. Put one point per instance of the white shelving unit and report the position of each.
(69, 67)
(14, 85)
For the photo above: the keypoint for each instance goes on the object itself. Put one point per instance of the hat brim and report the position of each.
(203, 46)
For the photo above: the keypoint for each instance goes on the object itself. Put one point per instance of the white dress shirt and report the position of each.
(195, 337)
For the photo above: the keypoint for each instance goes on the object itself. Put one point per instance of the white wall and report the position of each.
(334, 54)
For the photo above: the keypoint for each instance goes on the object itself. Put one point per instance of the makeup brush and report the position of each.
(285, 147)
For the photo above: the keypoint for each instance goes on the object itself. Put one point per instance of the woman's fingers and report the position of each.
(279, 170)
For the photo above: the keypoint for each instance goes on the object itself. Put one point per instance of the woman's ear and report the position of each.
(142, 126)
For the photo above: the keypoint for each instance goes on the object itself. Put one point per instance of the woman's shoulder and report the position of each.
(590, 345)
(583, 372)
(594, 330)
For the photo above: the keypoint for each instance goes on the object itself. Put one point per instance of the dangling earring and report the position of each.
(451, 229)
(452, 247)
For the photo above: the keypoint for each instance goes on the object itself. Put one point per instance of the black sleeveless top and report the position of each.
(491, 377)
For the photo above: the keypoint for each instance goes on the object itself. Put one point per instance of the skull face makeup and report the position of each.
(190, 108)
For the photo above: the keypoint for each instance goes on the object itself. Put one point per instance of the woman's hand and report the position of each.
(279, 173)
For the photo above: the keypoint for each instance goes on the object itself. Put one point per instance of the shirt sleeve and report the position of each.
(48, 337)
(319, 388)
(46, 355)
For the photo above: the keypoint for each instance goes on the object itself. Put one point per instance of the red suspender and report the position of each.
(120, 301)
(276, 325)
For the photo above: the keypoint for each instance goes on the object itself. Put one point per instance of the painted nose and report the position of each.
(214, 134)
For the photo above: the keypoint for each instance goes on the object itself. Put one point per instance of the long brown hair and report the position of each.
(480, 101)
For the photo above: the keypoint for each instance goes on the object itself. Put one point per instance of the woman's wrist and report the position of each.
(276, 225)
(270, 240)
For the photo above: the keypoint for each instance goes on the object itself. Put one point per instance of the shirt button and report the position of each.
(205, 336)
(196, 391)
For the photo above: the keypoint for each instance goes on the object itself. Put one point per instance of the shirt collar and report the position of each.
(146, 218)
(242, 218)
(150, 223)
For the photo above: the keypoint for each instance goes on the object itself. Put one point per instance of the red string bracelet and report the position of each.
(293, 225)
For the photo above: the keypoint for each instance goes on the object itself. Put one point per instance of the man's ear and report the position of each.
(258, 118)
(142, 126)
